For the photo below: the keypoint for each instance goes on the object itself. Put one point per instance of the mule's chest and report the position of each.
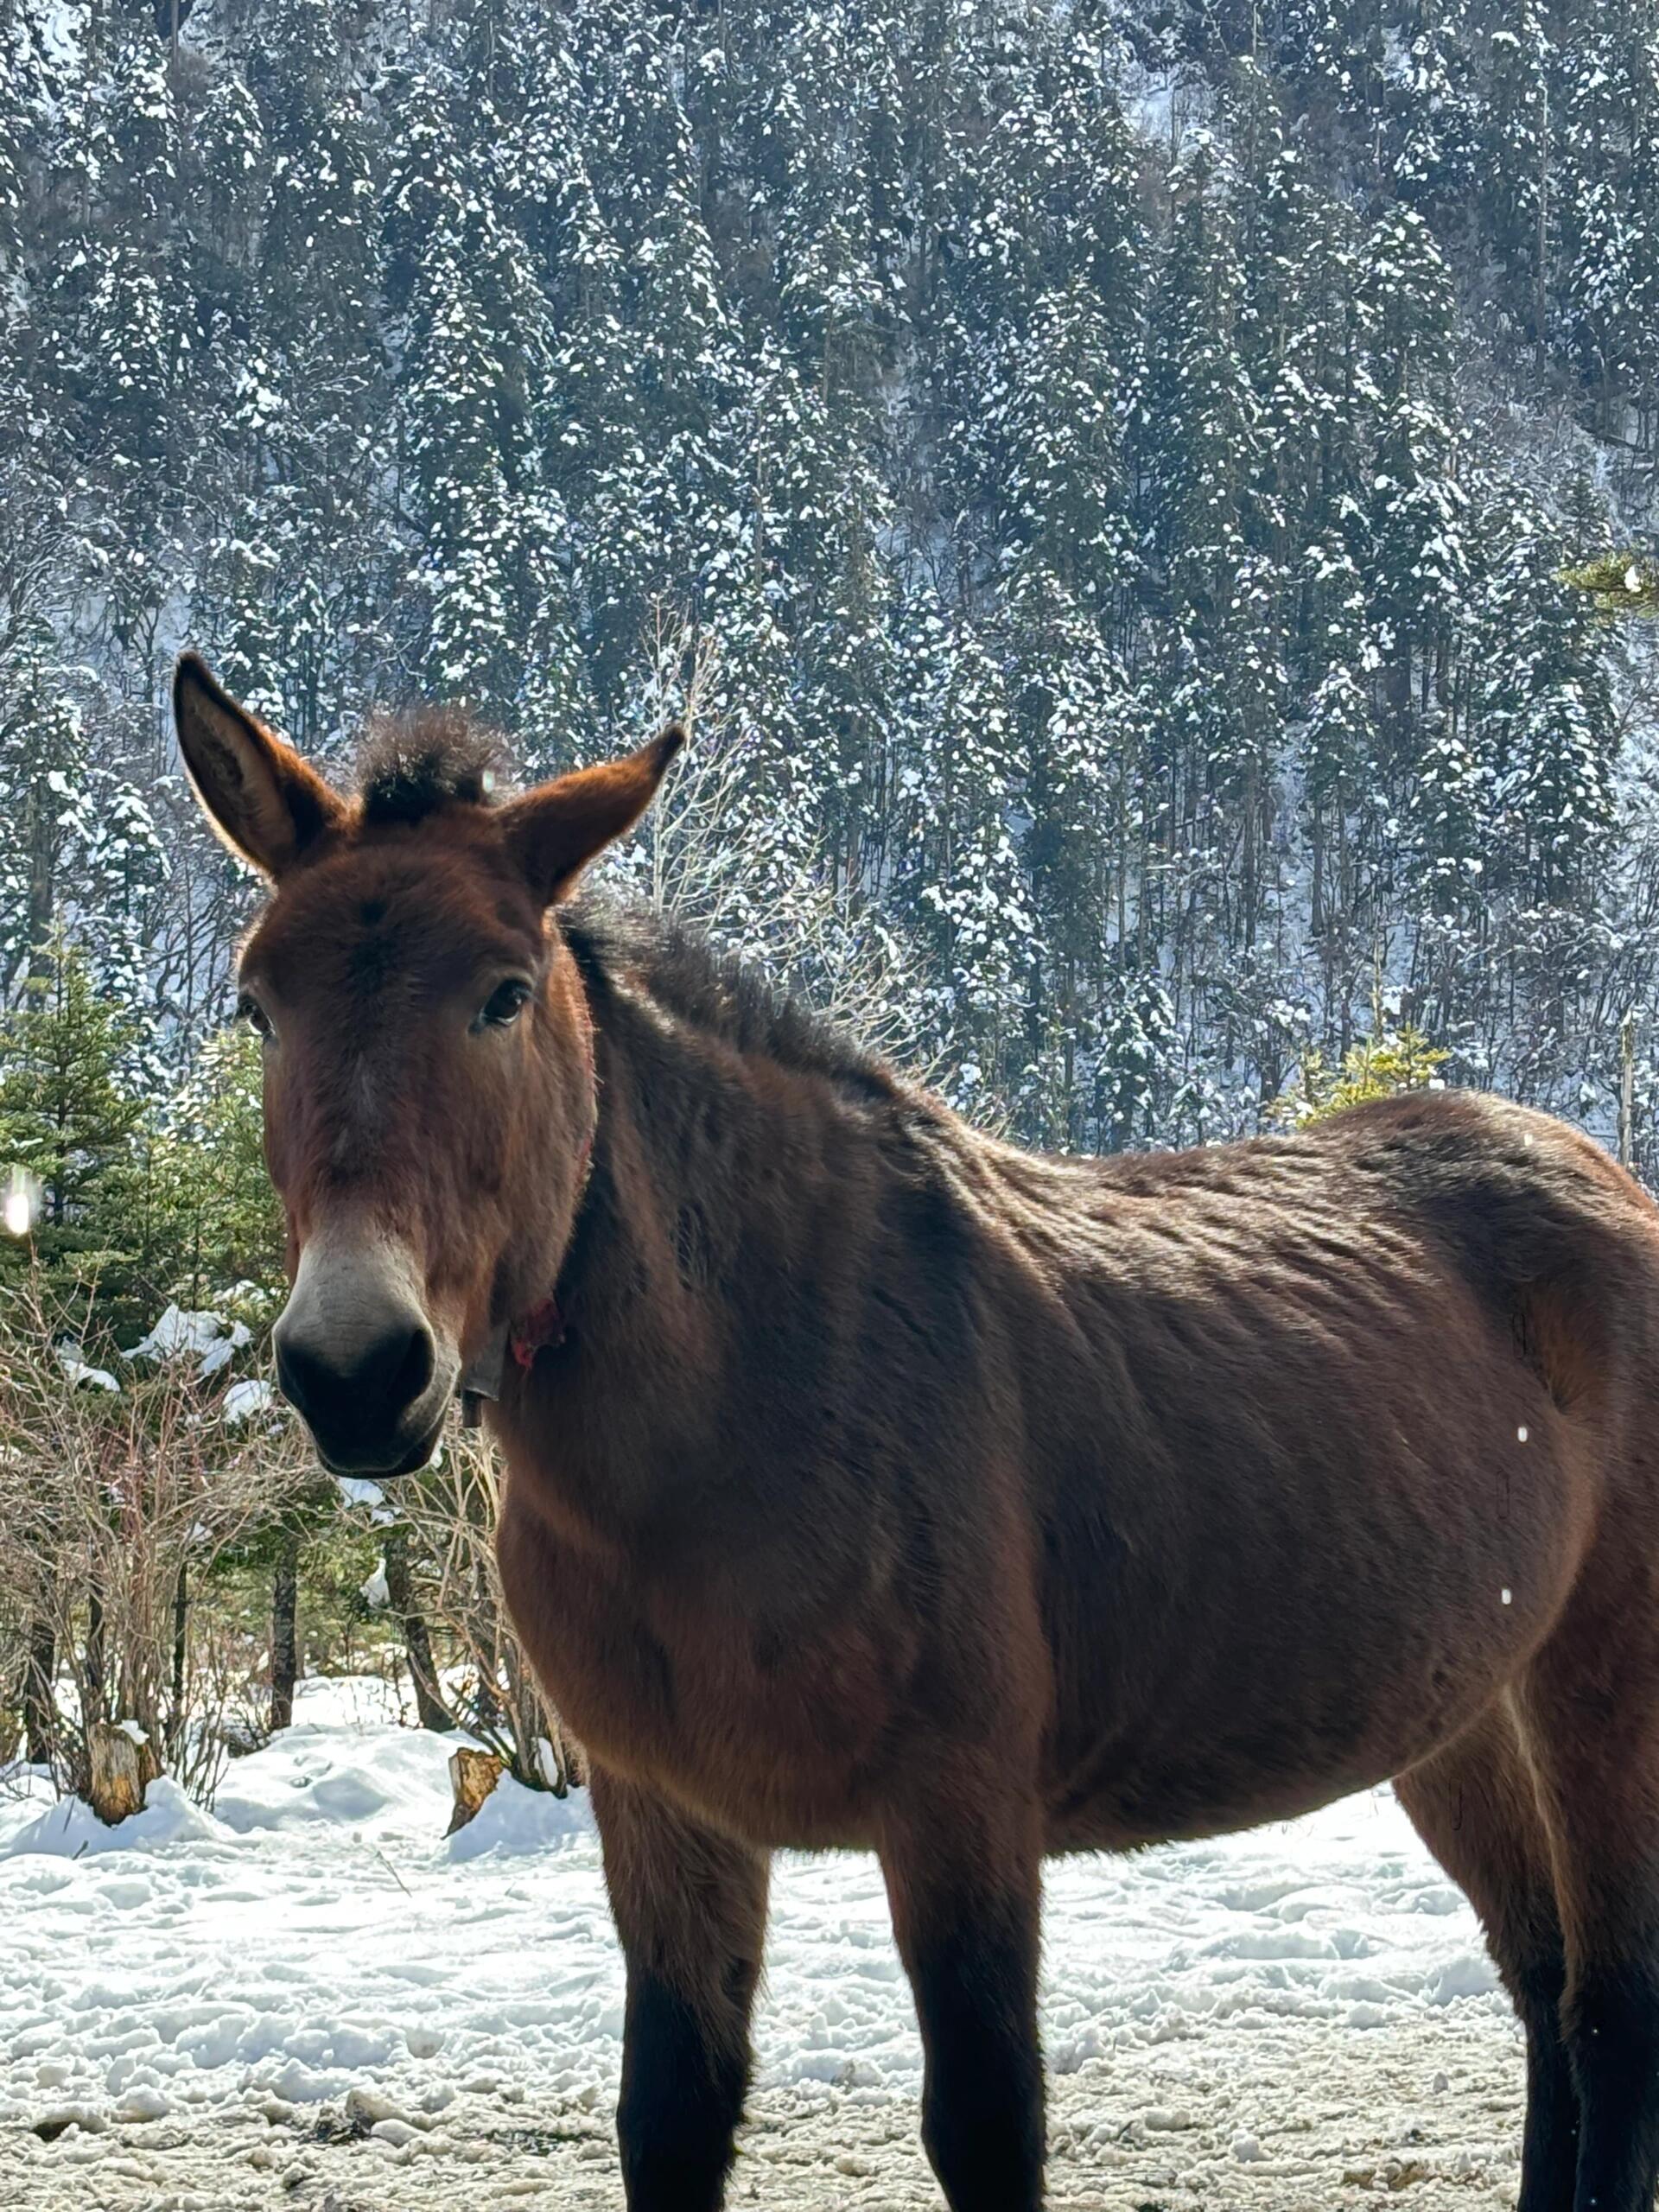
(672, 1683)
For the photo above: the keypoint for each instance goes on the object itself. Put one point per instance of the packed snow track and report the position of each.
(308, 1999)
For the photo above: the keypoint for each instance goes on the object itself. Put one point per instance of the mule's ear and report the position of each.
(557, 828)
(261, 797)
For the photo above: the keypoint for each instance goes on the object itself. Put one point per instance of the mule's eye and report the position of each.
(504, 1005)
(249, 1009)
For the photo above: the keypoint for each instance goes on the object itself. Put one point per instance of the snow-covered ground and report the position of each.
(309, 1998)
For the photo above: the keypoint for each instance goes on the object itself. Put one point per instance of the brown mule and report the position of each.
(874, 1484)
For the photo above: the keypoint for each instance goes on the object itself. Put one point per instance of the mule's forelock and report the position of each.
(413, 765)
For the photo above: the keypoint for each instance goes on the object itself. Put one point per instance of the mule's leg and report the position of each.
(1592, 1729)
(690, 1908)
(1476, 1806)
(965, 1889)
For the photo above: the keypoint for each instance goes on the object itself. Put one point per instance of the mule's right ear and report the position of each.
(263, 801)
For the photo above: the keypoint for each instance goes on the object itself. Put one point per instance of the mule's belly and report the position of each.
(1212, 1732)
(1331, 1666)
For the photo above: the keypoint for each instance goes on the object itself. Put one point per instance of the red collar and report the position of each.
(483, 1375)
(540, 1330)
(542, 1326)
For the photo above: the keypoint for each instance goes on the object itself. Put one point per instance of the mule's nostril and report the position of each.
(414, 1369)
(303, 1371)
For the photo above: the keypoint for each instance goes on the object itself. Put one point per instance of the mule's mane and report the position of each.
(412, 765)
(622, 948)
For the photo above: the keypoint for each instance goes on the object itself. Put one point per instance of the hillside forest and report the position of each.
(1112, 484)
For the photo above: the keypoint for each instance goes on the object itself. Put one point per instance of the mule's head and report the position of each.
(428, 1082)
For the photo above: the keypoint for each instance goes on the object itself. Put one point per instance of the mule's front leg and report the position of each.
(690, 1908)
(965, 1887)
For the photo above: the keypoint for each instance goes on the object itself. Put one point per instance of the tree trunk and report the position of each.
(181, 1635)
(40, 1707)
(284, 1637)
(97, 1684)
(400, 1589)
(472, 1774)
(117, 1783)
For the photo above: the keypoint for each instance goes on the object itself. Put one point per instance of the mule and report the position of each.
(874, 1484)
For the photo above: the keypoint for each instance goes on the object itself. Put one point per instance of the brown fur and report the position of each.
(895, 1489)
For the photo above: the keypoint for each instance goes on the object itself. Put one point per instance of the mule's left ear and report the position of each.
(557, 828)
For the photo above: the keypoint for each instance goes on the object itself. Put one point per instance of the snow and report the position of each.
(316, 1938)
(355, 1490)
(72, 1830)
(516, 1822)
(80, 1371)
(202, 1332)
(244, 1399)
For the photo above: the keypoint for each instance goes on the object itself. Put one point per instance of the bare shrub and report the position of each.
(115, 1504)
(450, 1512)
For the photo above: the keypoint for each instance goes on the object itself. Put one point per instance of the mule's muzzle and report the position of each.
(358, 1359)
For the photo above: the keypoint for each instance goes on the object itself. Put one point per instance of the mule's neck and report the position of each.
(706, 1153)
(728, 1192)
